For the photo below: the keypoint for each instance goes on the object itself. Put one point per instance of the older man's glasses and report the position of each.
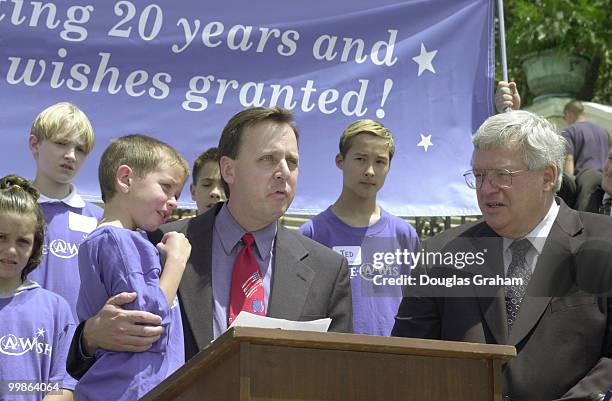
(501, 178)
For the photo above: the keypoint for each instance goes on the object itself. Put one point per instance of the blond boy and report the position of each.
(60, 140)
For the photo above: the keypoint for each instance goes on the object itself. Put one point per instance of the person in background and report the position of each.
(37, 324)
(587, 143)
(599, 198)
(587, 151)
(207, 187)
(60, 140)
(606, 186)
(358, 228)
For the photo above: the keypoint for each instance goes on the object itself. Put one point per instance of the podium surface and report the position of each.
(253, 364)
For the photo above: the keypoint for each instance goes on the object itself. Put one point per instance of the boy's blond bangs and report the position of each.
(62, 121)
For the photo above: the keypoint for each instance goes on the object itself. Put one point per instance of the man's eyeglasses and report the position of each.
(501, 178)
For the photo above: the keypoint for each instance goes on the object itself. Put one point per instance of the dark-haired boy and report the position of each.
(358, 228)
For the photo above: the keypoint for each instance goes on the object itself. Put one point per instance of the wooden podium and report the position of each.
(247, 364)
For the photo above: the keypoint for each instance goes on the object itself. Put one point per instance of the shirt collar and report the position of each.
(538, 235)
(26, 285)
(73, 199)
(230, 232)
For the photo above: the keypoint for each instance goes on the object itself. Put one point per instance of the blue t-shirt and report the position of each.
(588, 143)
(375, 302)
(36, 327)
(67, 227)
(114, 260)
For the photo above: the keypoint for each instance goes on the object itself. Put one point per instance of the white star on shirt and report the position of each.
(424, 60)
(40, 332)
(425, 142)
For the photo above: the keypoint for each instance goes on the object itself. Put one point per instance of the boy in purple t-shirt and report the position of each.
(141, 179)
(358, 228)
(60, 140)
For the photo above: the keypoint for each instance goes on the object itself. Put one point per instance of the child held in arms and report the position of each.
(141, 179)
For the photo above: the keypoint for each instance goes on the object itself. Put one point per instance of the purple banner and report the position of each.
(177, 71)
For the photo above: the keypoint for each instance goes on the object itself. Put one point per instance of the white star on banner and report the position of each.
(424, 60)
(425, 142)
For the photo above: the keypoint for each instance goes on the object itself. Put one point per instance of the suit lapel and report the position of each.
(552, 275)
(491, 300)
(291, 279)
(196, 285)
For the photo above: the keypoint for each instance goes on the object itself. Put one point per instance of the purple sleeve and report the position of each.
(121, 261)
(570, 141)
(306, 229)
(65, 326)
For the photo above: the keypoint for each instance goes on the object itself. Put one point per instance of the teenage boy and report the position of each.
(60, 140)
(357, 227)
(207, 188)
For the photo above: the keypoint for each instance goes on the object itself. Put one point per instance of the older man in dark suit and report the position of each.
(541, 276)
(294, 277)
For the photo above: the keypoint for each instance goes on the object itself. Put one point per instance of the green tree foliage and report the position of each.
(571, 26)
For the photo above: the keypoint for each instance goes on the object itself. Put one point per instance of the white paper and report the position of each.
(246, 319)
(84, 224)
(351, 253)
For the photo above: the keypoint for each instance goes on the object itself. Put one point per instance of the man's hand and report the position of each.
(116, 329)
(507, 96)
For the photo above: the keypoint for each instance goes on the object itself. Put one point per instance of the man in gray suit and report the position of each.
(541, 275)
(302, 280)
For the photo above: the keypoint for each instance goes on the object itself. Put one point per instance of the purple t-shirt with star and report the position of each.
(35, 333)
(375, 303)
(67, 227)
(114, 260)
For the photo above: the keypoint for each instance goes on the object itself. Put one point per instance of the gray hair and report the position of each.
(537, 139)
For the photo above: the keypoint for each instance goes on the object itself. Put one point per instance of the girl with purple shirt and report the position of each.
(141, 179)
(37, 325)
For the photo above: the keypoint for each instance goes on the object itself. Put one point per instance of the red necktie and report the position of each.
(247, 291)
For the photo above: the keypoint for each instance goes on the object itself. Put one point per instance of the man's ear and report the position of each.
(339, 161)
(550, 175)
(33, 144)
(226, 168)
(192, 189)
(123, 178)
